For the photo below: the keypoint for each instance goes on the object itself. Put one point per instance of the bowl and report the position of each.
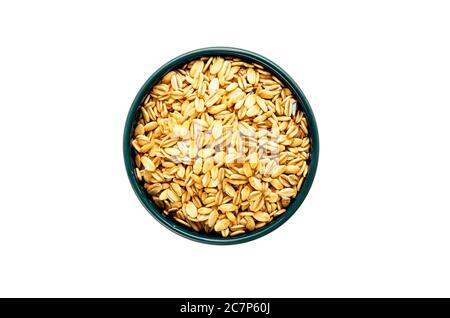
(167, 221)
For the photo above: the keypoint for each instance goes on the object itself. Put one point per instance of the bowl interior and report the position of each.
(132, 118)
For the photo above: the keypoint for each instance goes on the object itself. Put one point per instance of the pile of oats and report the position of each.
(220, 146)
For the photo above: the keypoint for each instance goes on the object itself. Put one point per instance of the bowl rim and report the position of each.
(155, 211)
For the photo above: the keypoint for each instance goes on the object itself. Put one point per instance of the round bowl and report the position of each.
(132, 117)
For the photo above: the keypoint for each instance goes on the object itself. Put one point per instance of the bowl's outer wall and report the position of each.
(132, 118)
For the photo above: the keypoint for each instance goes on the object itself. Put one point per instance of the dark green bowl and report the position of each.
(132, 117)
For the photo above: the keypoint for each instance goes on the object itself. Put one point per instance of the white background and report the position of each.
(376, 222)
